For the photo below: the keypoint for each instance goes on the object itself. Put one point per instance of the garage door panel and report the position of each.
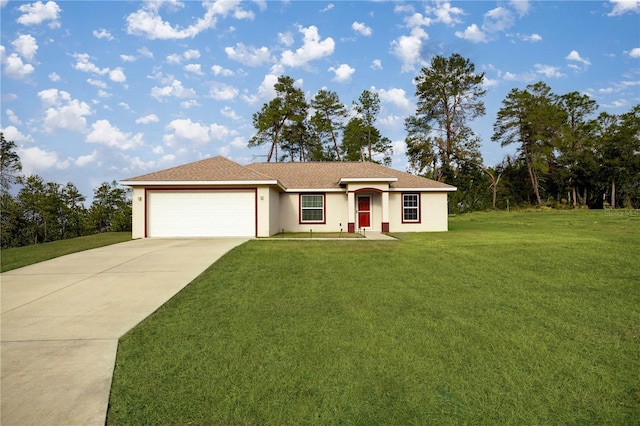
(200, 213)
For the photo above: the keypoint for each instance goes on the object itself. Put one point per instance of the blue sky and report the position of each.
(96, 91)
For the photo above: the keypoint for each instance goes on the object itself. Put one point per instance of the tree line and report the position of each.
(297, 130)
(48, 211)
(566, 155)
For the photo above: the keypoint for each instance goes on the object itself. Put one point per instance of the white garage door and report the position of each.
(201, 214)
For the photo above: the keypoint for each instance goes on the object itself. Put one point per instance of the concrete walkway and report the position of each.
(61, 321)
(372, 235)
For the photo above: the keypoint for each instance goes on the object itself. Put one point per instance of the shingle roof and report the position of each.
(210, 169)
(318, 175)
(313, 175)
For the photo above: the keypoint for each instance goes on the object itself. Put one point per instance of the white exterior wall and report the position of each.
(138, 213)
(264, 211)
(433, 213)
(277, 211)
(336, 213)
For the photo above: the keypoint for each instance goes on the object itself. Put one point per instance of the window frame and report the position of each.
(417, 208)
(301, 221)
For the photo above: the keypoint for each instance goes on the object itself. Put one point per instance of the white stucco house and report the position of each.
(217, 197)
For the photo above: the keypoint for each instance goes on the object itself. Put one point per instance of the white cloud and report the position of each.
(128, 58)
(313, 48)
(85, 160)
(26, 46)
(13, 117)
(343, 73)
(221, 71)
(196, 133)
(266, 89)
(191, 54)
(97, 83)
(194, 68)
(376, 64)
(54, 77)
(104, 133)
(84, 64)
(487, 82)
(521, 6)
(361, 29)
(230, 113)
(145, 52)
(63, 112)
(498, 19)
(446, 14)
(117, 75)
(13, 65)
(635, 52)
(620, 7)
(102, 33)
(409, 49)
(530, 37)
(192, 103)
(286, 38)
(579, 63)
(11, 133)
(149, 118)
(148, 23)
(38, 12)
(222, 92)
(417, 20)
(174, 58)
(473, 33)
(548, 71)
(248, 55)
(525, 77)
(403, 8)
(36, 160)
(397, 97)
(175, 89)
(327, 8)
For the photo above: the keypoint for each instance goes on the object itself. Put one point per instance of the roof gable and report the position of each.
(215, 169)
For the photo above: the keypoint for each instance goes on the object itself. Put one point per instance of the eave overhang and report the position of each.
(203, 183)
(447, 189)
(344, 181)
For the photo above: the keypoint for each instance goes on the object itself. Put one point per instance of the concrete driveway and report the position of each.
(61, 321)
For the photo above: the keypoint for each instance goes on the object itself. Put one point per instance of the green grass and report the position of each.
(521, 318)
(18, 257)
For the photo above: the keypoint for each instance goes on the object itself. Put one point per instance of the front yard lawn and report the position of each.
(18, 257)
(521, 318)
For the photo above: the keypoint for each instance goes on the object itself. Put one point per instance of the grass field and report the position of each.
(18, 257)
(521, 318)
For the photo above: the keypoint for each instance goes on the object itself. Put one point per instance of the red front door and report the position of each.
(364, 212)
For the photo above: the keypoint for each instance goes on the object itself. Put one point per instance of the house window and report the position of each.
(410, 207)
(312, 208)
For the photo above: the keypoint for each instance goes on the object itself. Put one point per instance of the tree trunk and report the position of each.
(574, 194)
(335, 145)
(613, 193)
(534, 180)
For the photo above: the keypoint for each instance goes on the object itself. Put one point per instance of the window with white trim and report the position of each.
(312, 208)
(411, 207)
